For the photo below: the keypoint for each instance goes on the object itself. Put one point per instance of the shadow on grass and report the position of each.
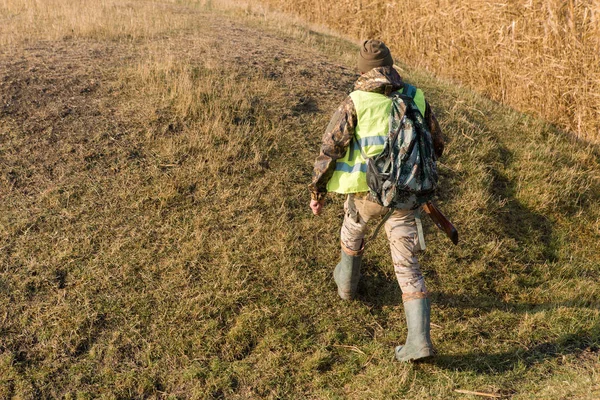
(574, 343)
(530, 235)
(377, 289)
(531, 231)
(578, 344)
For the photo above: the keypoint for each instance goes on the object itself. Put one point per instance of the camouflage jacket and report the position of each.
(340, 131)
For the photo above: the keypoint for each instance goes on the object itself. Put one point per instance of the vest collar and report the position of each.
(377, 79)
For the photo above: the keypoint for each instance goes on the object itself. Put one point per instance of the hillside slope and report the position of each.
(156, 240)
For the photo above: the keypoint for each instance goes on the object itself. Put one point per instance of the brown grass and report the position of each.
(539, 56)
(31, 20)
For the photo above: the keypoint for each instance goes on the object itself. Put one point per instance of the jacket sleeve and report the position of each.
(436, 131)
(337, 138)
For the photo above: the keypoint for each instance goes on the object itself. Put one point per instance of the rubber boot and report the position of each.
(418, 342)
(346, 275)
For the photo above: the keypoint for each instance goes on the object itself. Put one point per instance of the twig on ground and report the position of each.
(493, 395)
(352, 348)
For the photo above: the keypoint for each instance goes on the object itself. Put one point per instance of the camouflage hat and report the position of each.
(373, 54)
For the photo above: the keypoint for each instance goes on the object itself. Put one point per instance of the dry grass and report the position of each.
(155, 239)
(539, 56)
(32, 20)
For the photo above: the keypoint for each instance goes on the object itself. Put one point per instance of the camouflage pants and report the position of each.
(402, 234)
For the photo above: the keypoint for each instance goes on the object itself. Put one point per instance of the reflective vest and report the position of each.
(373, 114)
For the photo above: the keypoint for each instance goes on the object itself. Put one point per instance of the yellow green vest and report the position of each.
(373, 113)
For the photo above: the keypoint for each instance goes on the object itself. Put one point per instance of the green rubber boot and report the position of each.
(418, 342)
(346, 275)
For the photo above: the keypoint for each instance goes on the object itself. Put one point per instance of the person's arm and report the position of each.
(436, 131)
(337, 138)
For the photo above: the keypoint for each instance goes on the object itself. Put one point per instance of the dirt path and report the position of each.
(58, 99)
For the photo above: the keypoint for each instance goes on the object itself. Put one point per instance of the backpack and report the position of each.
(404, 175)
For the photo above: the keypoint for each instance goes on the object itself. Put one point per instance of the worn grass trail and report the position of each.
(156, 241)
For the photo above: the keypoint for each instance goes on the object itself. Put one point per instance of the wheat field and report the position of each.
(538, 56)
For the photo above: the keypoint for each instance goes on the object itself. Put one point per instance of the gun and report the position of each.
(441, 221)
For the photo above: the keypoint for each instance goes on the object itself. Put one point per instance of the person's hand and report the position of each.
(317, 206)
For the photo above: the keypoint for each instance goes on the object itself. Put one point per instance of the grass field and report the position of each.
(156, 240)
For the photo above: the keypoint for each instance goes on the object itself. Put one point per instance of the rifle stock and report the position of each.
(441, 221)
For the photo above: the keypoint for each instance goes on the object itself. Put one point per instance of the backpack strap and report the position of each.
(409, 90)
(376, 231)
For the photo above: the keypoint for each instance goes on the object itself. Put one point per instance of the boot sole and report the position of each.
(422, 354)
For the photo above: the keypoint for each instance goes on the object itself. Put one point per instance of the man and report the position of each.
(359, 127)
